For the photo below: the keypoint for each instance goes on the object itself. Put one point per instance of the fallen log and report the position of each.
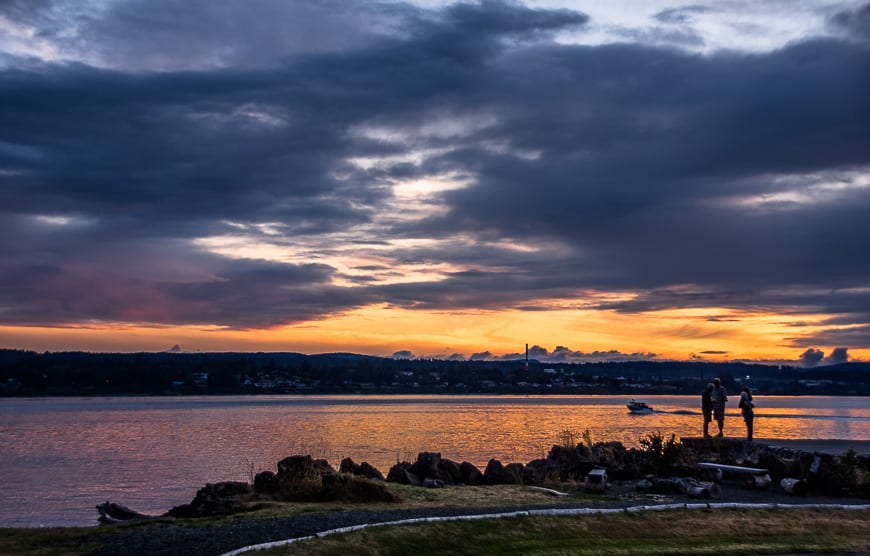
(703, 489)
(759, 481)
(549, 491)
(116, 513)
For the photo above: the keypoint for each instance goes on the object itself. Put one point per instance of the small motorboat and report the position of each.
(638, 407)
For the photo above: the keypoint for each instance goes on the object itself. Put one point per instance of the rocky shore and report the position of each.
(659, 472)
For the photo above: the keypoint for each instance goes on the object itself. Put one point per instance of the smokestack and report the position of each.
(527, 356)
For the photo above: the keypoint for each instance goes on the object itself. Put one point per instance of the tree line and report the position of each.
(29, 373)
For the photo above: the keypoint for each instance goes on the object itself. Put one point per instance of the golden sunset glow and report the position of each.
(709, 334)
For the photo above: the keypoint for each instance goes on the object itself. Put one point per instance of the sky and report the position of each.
(600, 180)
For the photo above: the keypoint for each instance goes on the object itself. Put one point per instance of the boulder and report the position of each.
(265, 482)
(517, 471)
(363, 469)
(469, 474)
(621, 463)
(354, 488)
(429, 466)
(301, 477)
(401, 473)
(216, 499)
(453, 469)
(561, 464)
(303, 467)
(497, 474)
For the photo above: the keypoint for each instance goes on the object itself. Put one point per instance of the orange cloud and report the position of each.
(717, 334)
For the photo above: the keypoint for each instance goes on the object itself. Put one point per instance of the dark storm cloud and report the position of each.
(650, 143)
(139, 159)
(855, 337)
(728, 180)
(855, 22)
(194, 34)
(63, 279)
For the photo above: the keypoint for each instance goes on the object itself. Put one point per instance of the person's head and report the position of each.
(710, 386)
(746, 389)
(717, 382)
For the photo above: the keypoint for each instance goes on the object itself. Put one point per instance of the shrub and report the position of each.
(847, 474)
(567, 439)
(663, 456)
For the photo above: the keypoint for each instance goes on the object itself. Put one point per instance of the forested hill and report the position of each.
(27, 373)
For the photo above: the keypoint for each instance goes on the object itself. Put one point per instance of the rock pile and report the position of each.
(663, 465)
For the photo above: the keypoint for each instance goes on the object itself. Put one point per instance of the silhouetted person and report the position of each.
(720, 398)
(746, 404)
(707, 408)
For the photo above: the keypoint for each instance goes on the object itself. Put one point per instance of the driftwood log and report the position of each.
(116, 513)
(757, 477)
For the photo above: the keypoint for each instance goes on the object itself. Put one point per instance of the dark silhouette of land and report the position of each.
(28, 373)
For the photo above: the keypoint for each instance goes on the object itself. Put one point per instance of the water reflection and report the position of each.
(152, 453)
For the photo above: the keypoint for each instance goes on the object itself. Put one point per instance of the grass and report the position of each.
(714, 532)
(51, 541)
(489, 496)
(672, 532)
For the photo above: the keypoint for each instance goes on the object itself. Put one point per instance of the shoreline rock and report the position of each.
(660, 461)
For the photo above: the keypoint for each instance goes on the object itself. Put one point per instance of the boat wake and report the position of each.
(773, 415)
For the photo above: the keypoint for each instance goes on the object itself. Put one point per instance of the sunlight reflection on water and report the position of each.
(59, 457)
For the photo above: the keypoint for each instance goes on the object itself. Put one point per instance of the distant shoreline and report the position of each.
(25, 373)
(388, 394)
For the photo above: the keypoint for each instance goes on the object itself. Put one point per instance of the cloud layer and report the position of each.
(256, 164)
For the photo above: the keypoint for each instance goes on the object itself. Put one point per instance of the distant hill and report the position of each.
(28, 373)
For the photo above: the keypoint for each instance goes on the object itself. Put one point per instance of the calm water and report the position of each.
(59, 457)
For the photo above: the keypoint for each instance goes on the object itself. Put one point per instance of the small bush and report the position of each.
(587, 439)
(847, 475)
(664, 456)
(567, 439)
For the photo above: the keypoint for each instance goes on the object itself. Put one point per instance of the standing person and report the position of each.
(720, 398)
(707, 408)
(746, 406)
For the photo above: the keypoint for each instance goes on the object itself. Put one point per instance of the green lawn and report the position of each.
(714, 532)
(708, 531)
